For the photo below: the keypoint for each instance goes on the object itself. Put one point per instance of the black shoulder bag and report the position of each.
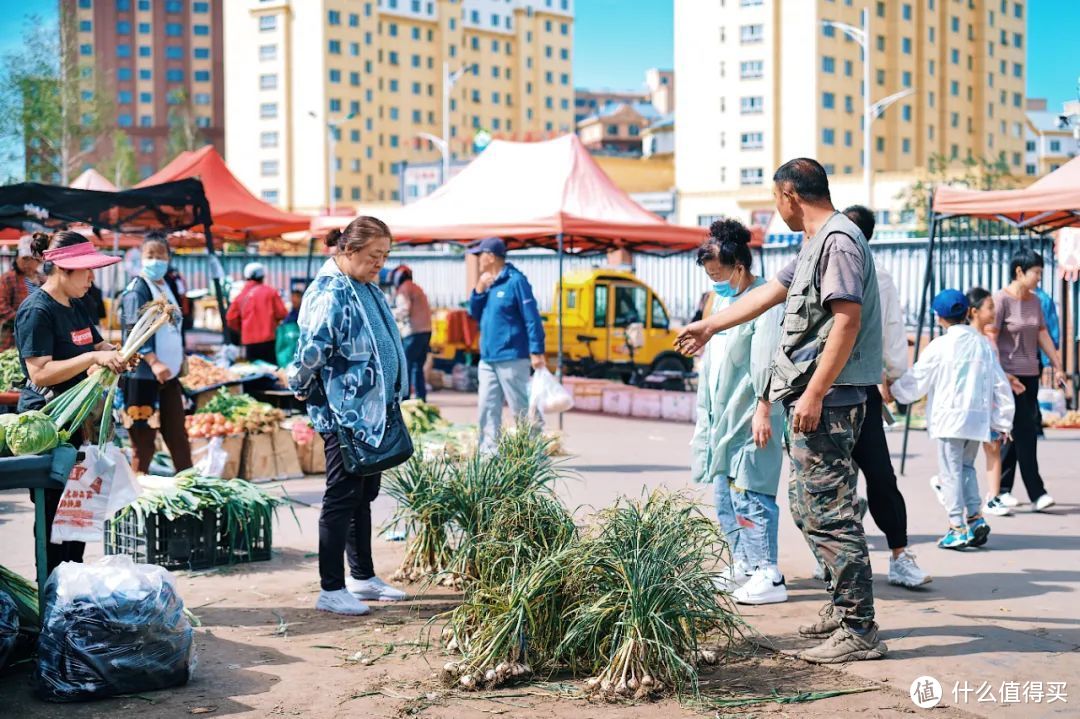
(361, 458)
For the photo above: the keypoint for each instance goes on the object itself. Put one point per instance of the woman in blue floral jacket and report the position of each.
(348, 367)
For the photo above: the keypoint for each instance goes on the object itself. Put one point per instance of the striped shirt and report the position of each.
(1018, 323)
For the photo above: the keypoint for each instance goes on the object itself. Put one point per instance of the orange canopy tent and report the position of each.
(534, 194)
(238, 214)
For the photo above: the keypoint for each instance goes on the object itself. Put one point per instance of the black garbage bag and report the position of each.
(9, 626)
(112, 627)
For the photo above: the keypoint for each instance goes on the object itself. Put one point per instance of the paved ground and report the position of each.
(1003, 614)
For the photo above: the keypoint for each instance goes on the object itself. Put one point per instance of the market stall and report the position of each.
(974, 232)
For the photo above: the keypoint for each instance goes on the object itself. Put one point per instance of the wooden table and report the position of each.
(38, 473)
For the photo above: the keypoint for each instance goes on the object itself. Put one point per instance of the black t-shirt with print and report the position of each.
(46, 328)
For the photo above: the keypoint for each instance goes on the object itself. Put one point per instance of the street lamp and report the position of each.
(443, 143)
(871, 110)
(332, 126)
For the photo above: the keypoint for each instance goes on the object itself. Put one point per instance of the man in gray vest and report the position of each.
(829, 353)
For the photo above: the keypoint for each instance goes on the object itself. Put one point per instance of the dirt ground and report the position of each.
(264, 651)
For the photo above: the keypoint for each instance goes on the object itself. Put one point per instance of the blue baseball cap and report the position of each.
(494, 245)
(950, 304)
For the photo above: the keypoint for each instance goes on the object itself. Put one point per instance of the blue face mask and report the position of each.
(155, 269)
(724, 289)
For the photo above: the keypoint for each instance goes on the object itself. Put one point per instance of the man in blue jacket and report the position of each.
(511, 338)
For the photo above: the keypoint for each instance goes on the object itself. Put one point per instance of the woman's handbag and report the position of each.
(361, 458)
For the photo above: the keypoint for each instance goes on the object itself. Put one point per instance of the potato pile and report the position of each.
(202, 374)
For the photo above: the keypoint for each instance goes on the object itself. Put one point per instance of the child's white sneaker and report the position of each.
(734, 576)
(995, 507)
(1044, 502)
(904, 572)
(766, 586)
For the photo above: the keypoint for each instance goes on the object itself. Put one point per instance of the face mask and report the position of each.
(724, 289)
(155, 269)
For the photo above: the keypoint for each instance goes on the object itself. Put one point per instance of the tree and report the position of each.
(981, 174)
(120, 168)
(53, 110)
(184, 132)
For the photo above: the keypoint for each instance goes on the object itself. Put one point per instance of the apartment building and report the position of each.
(156, 58)
(1052, 138)
(339, 96)
(763, 81)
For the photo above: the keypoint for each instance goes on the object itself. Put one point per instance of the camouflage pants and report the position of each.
(823, 503)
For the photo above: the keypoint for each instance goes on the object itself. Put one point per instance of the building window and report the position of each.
(751, 176)
(174, 75)
(394, 113)
(123, 28)
(335, 104)
(828, 136)
(954, 56)
(905, 11)
(828, 100)
(124, 119)
(201, 30)
(122, 51)
(1031, 170)
(268, 52)
(954, 88)
(86, 49)
(146, 97)
(145, 74)
(752, 105)
(268, 139)
(202, 76)
(335, 76)
(123, 74)
(881, 43)
(174, 6)
(828, 64)
(1030, 146)
(905, 113)
(335, 47)
(124, 97)
(881, 144)
(146, 121)
(393, 58)
(751, 69)
(751, 140)
(828, 30)
(1018, 70)
(270, 196)
(200, 8)
(268, 82)
(146, 145)
(905, 78)
(267, 23)
(905, 146)
(268, 110)
(905, 45)
(172, 52)
(202, 98)
(847, 138)
(354, 79)
(751, 34)
(1055, 146)
(333, 17)
(849, 104)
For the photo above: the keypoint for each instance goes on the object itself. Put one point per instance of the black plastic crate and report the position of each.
(182, 543)
(252, 545)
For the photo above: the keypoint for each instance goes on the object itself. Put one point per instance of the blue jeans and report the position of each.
(417, 347)
(750, 521)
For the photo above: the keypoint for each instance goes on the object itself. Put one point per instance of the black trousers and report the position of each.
(871, 453)
(1023, 449)
(417, 347)
(261, 351)
(345, 521)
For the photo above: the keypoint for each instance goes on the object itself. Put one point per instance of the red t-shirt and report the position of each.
(259, 310)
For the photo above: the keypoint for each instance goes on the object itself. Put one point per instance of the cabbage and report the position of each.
(6, 420)
(32, 433)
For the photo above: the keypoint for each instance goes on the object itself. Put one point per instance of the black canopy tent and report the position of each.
(168, 207)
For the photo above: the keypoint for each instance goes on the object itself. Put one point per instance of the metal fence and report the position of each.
(677, 279)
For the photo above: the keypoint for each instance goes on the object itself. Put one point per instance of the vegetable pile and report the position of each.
(212, 424)
(11, 372)
(202, 373)
(239, 410)
(421, 417)
(630, 605)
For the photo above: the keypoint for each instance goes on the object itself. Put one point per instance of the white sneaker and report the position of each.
(936, 486)
(1044, 502)
(732, 577)
(1008, 500)
(341, 602)
(374, 589)
(766, 586)
(904, 572)
(995, 507)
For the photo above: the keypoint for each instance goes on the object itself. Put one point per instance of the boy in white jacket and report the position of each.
(969, 397)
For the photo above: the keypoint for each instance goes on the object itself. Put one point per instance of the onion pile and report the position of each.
(211, 424)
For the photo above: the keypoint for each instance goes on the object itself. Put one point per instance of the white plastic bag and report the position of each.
(97, 487)
(214, 458)
(547, 396)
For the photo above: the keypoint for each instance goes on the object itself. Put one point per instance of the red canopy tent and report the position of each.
(531, 194)
(238, 214)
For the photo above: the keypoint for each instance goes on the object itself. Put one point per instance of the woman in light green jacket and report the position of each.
(736, 444)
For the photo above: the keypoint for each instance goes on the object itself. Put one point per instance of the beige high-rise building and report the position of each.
(763, 81)
(374, 71)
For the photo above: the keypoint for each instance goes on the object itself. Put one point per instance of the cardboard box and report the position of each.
(286, 459)
(678, 406)
(645, 403)
(233, 446)
(312, 456)
(258, 458)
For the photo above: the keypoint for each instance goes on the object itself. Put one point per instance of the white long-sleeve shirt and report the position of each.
(969, 393)
(894, 344)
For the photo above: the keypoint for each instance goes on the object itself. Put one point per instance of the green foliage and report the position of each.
(121, 168)
(184, 133)
(976, 174)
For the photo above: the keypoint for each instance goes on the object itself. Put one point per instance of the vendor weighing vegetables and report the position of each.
(59, 342)
(153, 397)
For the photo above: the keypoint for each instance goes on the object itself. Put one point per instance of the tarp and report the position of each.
(91, 179)
(528, 193)
(1047, 204)
(31, 206)
(238, 214)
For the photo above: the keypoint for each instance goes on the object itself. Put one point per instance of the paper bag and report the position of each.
(286, 459)
(257, 464)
